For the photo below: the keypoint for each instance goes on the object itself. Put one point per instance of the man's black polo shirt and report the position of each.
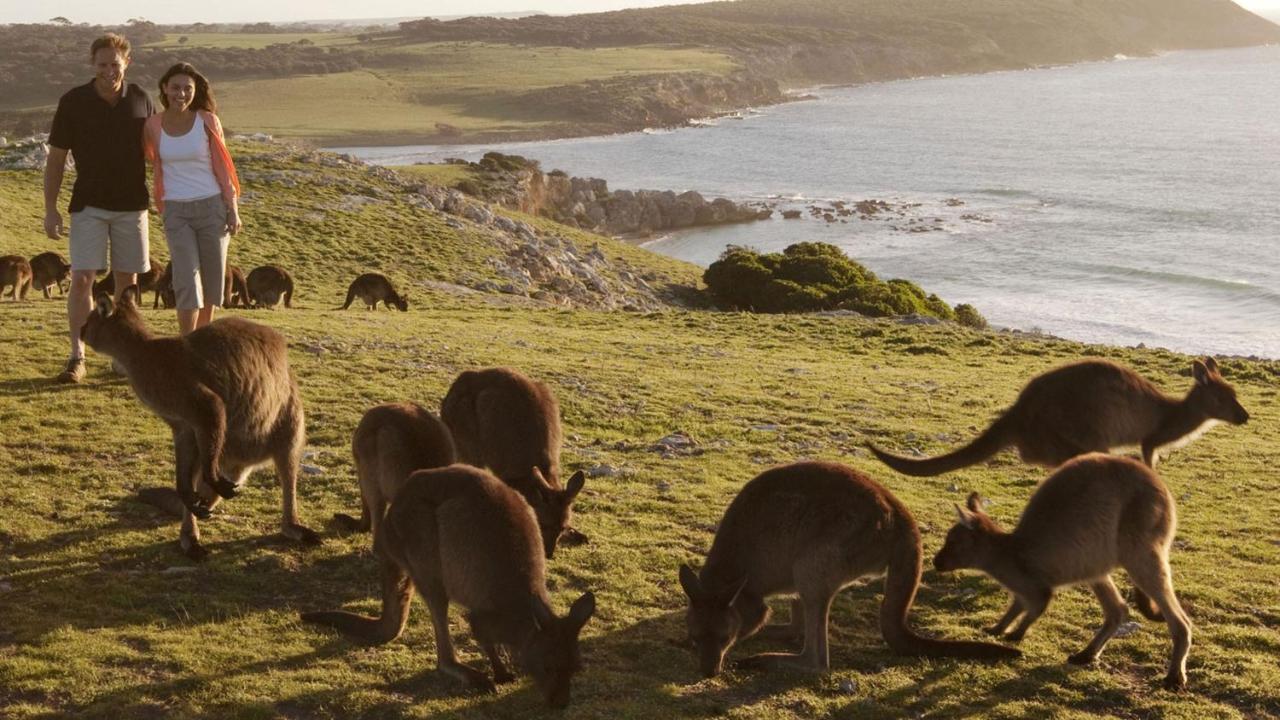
(106, 143)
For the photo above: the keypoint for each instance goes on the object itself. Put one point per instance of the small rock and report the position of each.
(1127, 629)
(6, 587)
(848, 686)
(604, 470)
(312, 469)
(765, 427)
(315, 349)
(953, 487)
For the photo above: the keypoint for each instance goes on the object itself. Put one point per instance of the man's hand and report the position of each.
(53, 226)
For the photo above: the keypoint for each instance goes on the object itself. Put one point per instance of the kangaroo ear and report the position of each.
(582, 610)
(975, 503)
(1211, 364)
(690, 582)
(104, 305)
(1200, 371)
(965, 518)
(542, 616)
(574, 486)
(536, 475)
(131, 296)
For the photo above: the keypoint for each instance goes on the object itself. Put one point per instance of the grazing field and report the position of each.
(100, 616)
(172, 41)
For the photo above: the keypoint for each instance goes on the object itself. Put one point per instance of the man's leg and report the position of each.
(88, 250)
(130, 248)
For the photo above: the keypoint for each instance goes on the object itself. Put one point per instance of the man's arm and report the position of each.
(54, 168)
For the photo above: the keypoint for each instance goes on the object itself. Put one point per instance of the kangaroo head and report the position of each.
(550, 655)
(712, 620)
(968, 543)
(553, 506)
(401, 303)
(111, 322)
(1214, 396)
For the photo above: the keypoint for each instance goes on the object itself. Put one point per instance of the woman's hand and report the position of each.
(233, 220)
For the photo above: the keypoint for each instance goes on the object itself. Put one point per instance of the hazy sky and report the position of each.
(167, 11)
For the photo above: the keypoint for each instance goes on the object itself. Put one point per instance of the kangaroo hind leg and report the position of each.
(1152, 576)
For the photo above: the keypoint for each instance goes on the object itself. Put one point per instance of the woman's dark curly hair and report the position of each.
(204, 94)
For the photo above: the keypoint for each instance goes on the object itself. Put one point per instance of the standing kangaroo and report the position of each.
(228, 395)
(49, 269)
(268, 285)
(461, 535)
(506, 422)
(1096, 513)
(810, 528)
(15, 271)
(392, 441)
(236, 291)
(1091, 406)
(374, 288)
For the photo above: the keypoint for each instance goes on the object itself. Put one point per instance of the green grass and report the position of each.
(446, 174)
(102, 617)
(473, 87)
(251, 40)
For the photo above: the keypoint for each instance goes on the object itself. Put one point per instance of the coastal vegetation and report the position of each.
(669, 409)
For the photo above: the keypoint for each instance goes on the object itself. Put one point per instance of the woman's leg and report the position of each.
(180, 233)
(212, 240)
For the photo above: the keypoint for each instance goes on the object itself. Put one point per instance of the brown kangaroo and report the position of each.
(268, 284)
(1096, 513)
(234, 291)
(15, 271)
(164, 289)
(463, 536)
(809, 528)
(1091, 406)
(146, 281)
(506, 422)
(392, 441)
(49, 269)
(373, 288)
(228, 395)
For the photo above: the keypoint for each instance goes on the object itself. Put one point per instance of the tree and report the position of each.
(59, 20)
(183, 40)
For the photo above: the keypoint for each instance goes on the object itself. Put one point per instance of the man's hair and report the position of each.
(110, 40)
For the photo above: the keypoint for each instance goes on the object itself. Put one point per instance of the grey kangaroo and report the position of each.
(506, 422)
(810, 528)
(374, 288)
(391, 441)
(49, 269)
(1095, 514)
(228, 395)
(15, 271)
(268, 285)
(1091, 406)
(462, 536)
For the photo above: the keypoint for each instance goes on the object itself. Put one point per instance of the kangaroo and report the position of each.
(506, 422)
(236, 292)
(164, 289)
(1094, 514)
(15, 271)
(809, 528)
(463, 536)
(268, 284)
(146, 281)
(1089, 406)
(49, 269)
(228, 395)
(392, 441)
(373, 288)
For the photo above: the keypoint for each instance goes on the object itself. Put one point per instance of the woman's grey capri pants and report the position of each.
(196, 231)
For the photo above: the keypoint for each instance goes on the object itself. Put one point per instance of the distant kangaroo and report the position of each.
(1096, 513)
(49, 269)
(391, 442)
(463, 536)
(1091, 406)
(506, 422)
(268, 284)
(373, 288)
(164, 289)
(228, 395)
(15, 271)
(810, 528)
(146, 281)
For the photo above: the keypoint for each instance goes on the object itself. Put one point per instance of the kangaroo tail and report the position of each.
(164, 498)
(1146, 606)
(991, 441)
(396, 593)
(902, 579)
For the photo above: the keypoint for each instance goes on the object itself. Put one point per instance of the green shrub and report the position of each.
(967, 314)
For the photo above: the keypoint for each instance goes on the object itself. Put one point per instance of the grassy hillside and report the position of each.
(101, 616)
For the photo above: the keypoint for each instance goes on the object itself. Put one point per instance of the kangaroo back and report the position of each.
(994, 439)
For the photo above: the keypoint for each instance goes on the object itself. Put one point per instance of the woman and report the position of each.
(196, 192)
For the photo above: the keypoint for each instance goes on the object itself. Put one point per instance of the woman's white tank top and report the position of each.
(188, 172)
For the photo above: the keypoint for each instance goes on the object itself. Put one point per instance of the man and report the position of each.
(100, 124)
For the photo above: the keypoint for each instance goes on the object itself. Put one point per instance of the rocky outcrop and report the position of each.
(587, 203)
(26, 154)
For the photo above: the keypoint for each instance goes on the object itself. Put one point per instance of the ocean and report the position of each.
(1122, 202)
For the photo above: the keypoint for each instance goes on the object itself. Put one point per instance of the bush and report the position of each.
(967, 314)
(813, 276)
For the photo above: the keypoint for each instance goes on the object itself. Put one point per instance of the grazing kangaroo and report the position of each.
(810, 528)
(392, 441)
(146, 281)
(506, 422)
(48, 269)
(463, 536)
(228, 395)
(268, 284)
(236, 292)
(373, 288)
(164, 289)
(1096, 513)
(15, 271)
(1091, 406)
